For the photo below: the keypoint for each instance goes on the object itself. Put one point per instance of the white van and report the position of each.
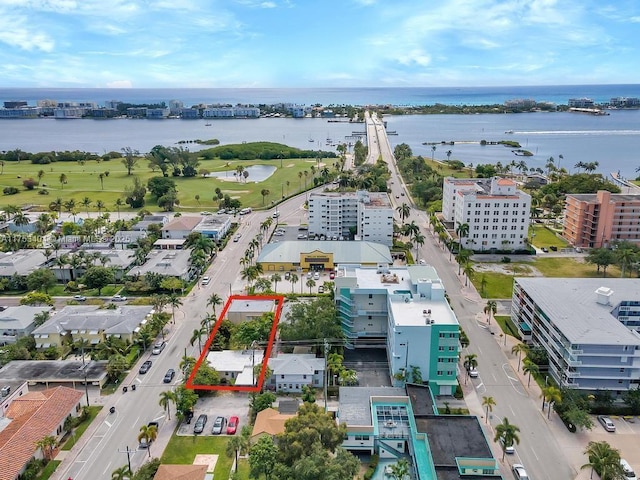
(628, 471)
(245, 211)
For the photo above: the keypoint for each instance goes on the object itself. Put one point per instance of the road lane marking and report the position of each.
(108, 424)
(535, 454)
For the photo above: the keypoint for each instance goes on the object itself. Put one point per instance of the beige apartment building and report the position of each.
(595, 220)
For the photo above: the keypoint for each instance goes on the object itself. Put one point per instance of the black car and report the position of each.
(168, 377)
(145, 367)
(200, 423)
(218, 425)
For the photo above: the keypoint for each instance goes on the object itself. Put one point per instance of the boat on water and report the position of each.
(207, 124)
(509, 131)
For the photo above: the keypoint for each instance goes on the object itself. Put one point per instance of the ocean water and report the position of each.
(559, 94)
(613, 141)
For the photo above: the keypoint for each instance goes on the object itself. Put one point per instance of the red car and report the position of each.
(332, 275)
(232, 426)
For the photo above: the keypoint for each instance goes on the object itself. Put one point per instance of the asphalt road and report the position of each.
(538, 450)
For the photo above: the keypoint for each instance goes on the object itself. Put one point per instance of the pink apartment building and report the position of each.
(595, 220)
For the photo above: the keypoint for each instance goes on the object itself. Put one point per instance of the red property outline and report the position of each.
(279, 300)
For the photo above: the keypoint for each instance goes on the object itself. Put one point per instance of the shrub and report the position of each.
(43, 191)
(458, 393)
(372, 467)
(10, 190)
(29, 183)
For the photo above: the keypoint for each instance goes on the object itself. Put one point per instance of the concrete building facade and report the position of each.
(588, 327)
(334, 214)
(595, 220)
(497, 213)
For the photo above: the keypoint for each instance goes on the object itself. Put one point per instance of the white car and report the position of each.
(118, 298)
(473, 373)
(519, 472)
(158, 348)
(316, 276)
(205, 280)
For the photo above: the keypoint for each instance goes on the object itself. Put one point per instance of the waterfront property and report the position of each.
(594, 220)
(404, 310)
(335, 214)
(588, 327)
(496, 212)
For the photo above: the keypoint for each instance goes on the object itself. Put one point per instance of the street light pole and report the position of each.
(128, 452)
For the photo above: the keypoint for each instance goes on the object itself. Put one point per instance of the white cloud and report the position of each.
(120, 84)
(16, 32)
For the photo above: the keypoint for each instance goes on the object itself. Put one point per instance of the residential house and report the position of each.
(91, 323)
(53, 373)
(496, 212)
(16, 322)
(236, 366)
(147, 220)
(126, 239)
(589, 327)
(169, 263)
(292, 371)
(269, 422)
(21, 262)
(180, 227)
(33, 417)
(169, 243)
(9, 391)
(243, 310)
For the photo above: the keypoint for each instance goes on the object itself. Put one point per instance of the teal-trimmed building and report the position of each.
(404, 309)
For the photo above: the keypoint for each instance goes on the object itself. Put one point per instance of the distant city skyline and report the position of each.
(328, 43)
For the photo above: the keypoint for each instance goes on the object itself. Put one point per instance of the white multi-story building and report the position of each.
(496, 212)
(337, 214)
(588, 327)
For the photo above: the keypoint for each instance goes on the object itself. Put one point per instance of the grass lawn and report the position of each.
(83, 181)
(498, 285)
(569, 267)
(48, 470)
(546, 238)
(93, 413)
(507, 325)
(243, 469)
(182, 450)
(109, 290)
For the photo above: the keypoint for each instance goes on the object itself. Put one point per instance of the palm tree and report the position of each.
(119, 203)
(149, 433)
(100, 206)
(213, 301)
(470, 362)
(506, 434)
(174, 301)
(293, 279)
(488, 403)
(404, 211)
(519, 349)
(47, 444)
(605, 460)
(275, 278)
(529, 368)
(121, 473)
(552, 395)
(166, 398)
(468, 271)
(62, 179)
(311, 283)
(265, 193)
(463, 257)
(490, 309)
(463, 231)
(400, 469)
(197, 336)
(86, 203)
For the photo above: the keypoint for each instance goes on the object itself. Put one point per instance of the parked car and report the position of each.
(168, 377)
(545, 249)
(205, 214)
(519, 472)
(302, 236)
(118, 298)
(79, 298)
(218, 425)
(276, 214)
(232, 426)
(144, 368)
(236, 238)
(200, 423)
(553, 248)
(607, 423)
(508, 449)
(473, 373)
(316, 276)
(205, 280)
(287, 275)
(332, 275)
(158, 347)
(144, 443)
(320, 289)
(629, 474)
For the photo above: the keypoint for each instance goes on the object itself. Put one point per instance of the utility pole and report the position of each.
(326, 353)
(128, 452)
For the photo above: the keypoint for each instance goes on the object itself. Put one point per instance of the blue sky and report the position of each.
(317, 43)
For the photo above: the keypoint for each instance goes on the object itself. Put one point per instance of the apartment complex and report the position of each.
(496, 212)
(404, 310)
(588, 327)
(594, 220)
(369, 214)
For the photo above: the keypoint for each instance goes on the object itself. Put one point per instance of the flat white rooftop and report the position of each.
(415, 312)
(392, 280)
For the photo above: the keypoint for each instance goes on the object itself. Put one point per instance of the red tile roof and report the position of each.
(33, 417)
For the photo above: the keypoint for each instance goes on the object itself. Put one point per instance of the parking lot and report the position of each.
(225, 404)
